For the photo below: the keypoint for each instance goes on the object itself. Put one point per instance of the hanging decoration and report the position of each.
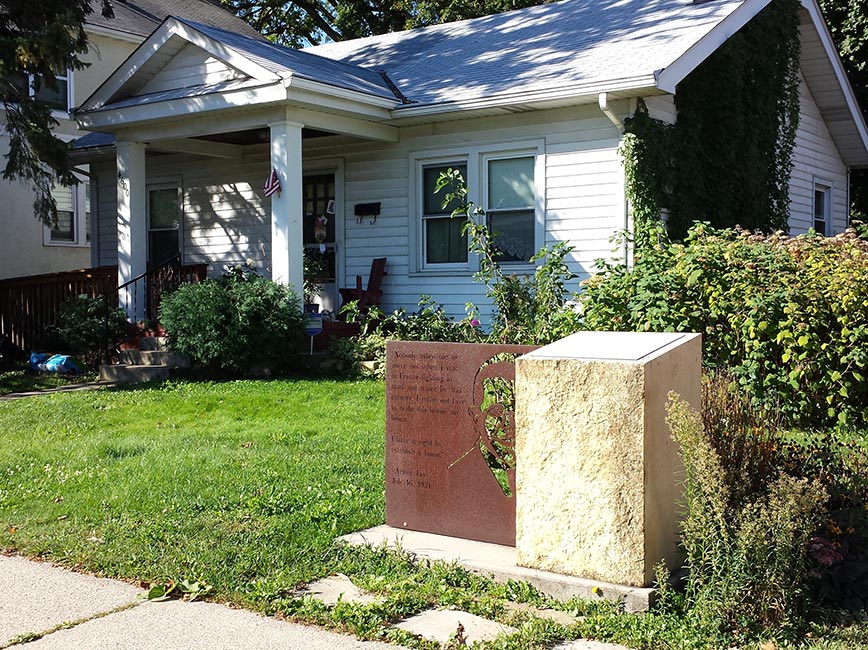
(319, 229)
(272, 184)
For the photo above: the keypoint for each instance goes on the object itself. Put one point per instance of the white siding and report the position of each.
(662, 107)
(106, 213)
(582, 188)
(815, 158)
(226, 217)
(192, 66)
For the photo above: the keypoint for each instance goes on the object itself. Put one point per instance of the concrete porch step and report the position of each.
(154, 344)
(154, 358)
(129, 374)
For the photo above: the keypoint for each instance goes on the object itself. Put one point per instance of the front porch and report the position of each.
(197, 121)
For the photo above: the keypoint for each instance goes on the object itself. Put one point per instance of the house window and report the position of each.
(164, 224)
(73, 216)
(503, 180)
(510, 207)
(59, 99)
(443, 242)
(823, 224)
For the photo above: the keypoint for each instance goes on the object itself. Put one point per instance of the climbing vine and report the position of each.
(727, 160)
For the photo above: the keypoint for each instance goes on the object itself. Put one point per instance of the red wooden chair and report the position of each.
(370, 296)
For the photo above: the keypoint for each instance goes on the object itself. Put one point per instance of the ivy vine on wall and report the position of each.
(727, 159)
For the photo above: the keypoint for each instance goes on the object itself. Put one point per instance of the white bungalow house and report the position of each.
(529, 104)
(27, 247)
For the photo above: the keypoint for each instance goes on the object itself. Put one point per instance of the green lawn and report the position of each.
(21, 379)
(243, 484)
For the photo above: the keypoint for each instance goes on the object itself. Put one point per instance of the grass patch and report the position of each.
(240, 484)
(22, 379)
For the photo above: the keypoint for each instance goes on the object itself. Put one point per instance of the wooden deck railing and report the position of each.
(30, 305)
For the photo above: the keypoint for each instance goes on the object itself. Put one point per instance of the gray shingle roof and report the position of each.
(284, 61)
(573, 42)
(141, 17)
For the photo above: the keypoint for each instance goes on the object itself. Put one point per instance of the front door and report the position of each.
(319, 238)
(164, 223)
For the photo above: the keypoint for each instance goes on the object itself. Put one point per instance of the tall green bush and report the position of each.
(788, 316)
(239, 323)
(747, 551)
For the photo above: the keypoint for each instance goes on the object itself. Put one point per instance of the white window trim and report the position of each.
(459, 267)
(476, 158)
(79, 217)
(827, 186)
(70, 94)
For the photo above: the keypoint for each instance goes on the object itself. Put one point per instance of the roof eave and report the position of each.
(674, 73)
(843, 132)
(577, 94)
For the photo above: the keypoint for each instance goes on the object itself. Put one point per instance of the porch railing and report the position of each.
(143, 293)
(30, 305)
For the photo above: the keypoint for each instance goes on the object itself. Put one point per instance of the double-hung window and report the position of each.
(73, 216)
(504, 181)
(823, 224)
(443, 243)
(59, 99)
(510, 206)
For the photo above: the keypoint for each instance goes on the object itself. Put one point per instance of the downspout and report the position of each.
(603, 101)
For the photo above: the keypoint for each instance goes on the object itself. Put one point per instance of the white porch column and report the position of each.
(287, 245)
(132, 226)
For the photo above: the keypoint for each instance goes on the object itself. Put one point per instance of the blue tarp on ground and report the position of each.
(59, 363)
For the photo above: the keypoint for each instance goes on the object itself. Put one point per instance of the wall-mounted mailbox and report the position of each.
(371, 210)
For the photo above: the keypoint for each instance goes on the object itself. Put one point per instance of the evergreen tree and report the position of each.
(38, 39)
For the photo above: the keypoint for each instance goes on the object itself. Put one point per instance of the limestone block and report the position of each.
(597, 480)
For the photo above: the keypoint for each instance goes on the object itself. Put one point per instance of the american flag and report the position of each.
(272, 185)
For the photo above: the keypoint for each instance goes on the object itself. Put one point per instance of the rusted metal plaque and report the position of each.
(450, 439)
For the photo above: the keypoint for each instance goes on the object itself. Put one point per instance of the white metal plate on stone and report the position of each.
(608, 346)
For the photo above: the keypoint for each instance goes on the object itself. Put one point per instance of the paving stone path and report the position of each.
(44, 607)
(443, 625)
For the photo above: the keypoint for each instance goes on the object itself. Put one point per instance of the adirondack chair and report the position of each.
(371, 295)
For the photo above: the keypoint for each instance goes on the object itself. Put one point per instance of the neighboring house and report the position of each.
(527, 104)
(26, 246)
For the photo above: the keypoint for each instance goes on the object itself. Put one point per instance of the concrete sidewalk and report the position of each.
(70, 610)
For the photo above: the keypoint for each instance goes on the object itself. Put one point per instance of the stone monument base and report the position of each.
(499, 562)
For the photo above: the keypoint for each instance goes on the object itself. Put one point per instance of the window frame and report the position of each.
(158, 185)
(822, 185)
(535, 208)
(424, 218)
(475, 157)
(67, 76)
(82, 195)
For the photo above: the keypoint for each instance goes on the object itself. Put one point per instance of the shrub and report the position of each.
(838, 458)
(528, 308)
(428, 323)
(239, 323)
(86, 326)
(787, 315)
(747, 554)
